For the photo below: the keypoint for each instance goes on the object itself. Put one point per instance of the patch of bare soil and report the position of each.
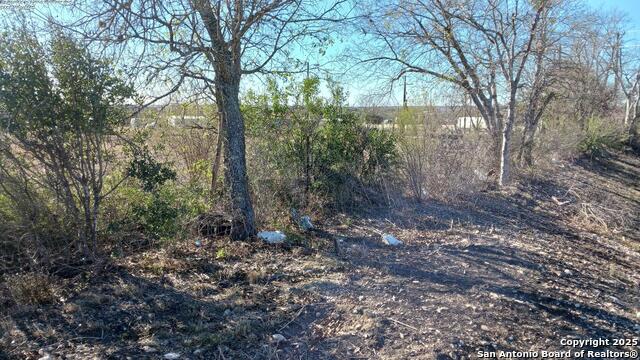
(556, 257)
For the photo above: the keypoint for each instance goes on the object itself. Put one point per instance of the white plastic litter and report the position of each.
(305, 223)
(390, 240)
(172, 356)
(278, 338)
(272, 237)
(480, 175)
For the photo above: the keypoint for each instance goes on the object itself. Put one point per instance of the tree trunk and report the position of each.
(531, 120)
(627, 111)
(307, 168)
(505, 145)
(505, 156)
(215, 167)
(634, 133)
(227, 90)
(526, 148)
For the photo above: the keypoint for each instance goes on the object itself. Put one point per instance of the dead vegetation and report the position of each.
(495, 210)
(560, 268)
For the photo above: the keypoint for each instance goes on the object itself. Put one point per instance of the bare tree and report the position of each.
(583, 68)
(555, 25)
(627, 73)
(480, 46)
(537, 101)
(213, 42)
(631, 91)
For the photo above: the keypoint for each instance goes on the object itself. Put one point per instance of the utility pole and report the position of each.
(404, 94)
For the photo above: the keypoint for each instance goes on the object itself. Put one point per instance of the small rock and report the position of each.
(390, 240)
(278, 338)
(171, 356)
(148, 349)
(568, 272)
(360, 298)
(484, 328)
(272, 237)
(226, 313)
(46, 357)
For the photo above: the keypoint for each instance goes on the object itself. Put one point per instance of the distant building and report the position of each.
(470, 122)
(188, 121)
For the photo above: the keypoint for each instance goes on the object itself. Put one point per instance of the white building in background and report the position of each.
(134, 123)
(470, 122)
(188, 121)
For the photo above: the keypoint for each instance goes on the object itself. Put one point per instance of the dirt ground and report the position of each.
(555, 257)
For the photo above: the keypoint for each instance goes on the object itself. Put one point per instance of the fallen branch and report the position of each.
(403, 324)
(558, 202)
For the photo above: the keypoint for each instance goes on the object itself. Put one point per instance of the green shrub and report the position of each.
(150, 172)
(344, 145)
(153, 203)
(6, 212)
(159, 216)
(312, 147)
(600, 136)
(62, 108)
(156, 215)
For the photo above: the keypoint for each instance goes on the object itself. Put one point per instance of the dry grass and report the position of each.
(599, 218)
(443, 164)
(31, 288)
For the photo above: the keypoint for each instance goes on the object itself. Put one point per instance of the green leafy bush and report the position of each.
(310, 146)
(600, 136)
(159, 215)
(132, 212)
(150, 172)
(62, 108)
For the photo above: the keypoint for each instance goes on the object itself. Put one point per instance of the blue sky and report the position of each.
(630, 9)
